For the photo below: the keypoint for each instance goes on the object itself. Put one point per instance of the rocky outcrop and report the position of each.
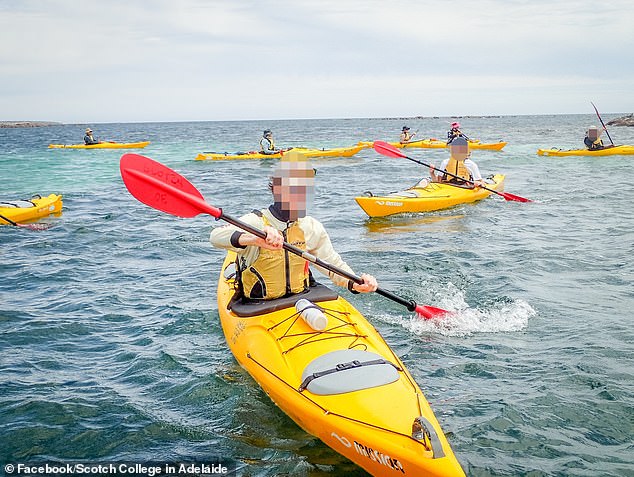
(26, 124)
(627, 120)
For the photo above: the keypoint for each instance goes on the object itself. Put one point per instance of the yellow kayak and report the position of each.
(102, 145)
(20, 211)
(436, 144)
(607, 151)
(308, 152)
(343, 384)
(433, 196)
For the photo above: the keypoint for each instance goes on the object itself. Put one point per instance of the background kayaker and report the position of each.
(265, 269)
(89, 139)
(458, 164)
(267, 146)
(406, 136)
(455, 132)
(593, 139)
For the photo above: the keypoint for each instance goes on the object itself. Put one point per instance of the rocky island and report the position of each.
(27, 124)
(627, 120)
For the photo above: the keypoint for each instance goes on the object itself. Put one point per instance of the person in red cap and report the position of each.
(455, 132)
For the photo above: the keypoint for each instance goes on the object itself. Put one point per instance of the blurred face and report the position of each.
(459, 150)
(294, 187)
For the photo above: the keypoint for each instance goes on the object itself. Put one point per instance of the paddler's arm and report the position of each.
(475, 173)
(318, 243)
(230, 237)
(274, 239)
(437, 176)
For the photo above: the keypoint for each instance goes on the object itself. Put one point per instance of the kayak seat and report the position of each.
(347, 370)
(17, 204)
(245, 307)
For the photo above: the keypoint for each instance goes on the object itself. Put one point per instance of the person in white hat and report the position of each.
(89, 139)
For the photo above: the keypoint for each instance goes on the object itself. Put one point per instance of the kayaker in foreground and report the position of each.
(406, 136)
(455, 132)
(457, 164)
(264, 269)
(89, 139)
(593, 139)
(267, 146)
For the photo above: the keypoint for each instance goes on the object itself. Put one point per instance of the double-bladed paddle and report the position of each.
(388, 150)
(162, 188)
(602, 123)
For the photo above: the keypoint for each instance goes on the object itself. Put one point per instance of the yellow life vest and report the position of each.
(277, 273)
(270, 146)
(457, 168)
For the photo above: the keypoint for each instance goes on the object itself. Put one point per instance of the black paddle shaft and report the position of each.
(409, 304)
(9, 221)
(602, 123)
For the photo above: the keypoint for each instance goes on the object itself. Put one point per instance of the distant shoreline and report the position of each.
(33, 124)
(27, 124)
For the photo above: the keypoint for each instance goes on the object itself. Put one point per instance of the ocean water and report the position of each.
(111, 348)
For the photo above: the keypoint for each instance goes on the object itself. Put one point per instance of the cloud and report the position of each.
(164, 60)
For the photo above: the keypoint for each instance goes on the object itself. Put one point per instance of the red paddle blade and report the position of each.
(428, 312)
(162, 188)
(386, 149)
(514, 197)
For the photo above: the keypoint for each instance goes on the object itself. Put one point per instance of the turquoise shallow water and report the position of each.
(111, 347)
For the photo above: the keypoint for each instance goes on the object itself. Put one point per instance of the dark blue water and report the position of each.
(111, 348)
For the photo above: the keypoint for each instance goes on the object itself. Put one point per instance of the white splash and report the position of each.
(464, 320)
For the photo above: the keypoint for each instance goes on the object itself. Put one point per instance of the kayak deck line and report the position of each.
(618, 150)
(295, 318)
(326, 411)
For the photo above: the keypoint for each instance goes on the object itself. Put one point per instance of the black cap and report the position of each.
(266, 131)
(405, 128)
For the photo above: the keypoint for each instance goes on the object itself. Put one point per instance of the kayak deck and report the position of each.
(434, 196)
(607, 151)
(343, 385)
(437, 144)
(102, 145)
(308, 152)
(21, 211)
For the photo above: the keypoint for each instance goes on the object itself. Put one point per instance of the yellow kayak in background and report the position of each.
(433, 196)
(308, 152)
(607, 151)
(436, 144)
(343, 384)
(20, 211)
(102, 145)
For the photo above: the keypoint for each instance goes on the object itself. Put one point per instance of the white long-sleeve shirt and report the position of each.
(317, 242)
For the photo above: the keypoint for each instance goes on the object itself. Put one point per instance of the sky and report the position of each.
(207, 60)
